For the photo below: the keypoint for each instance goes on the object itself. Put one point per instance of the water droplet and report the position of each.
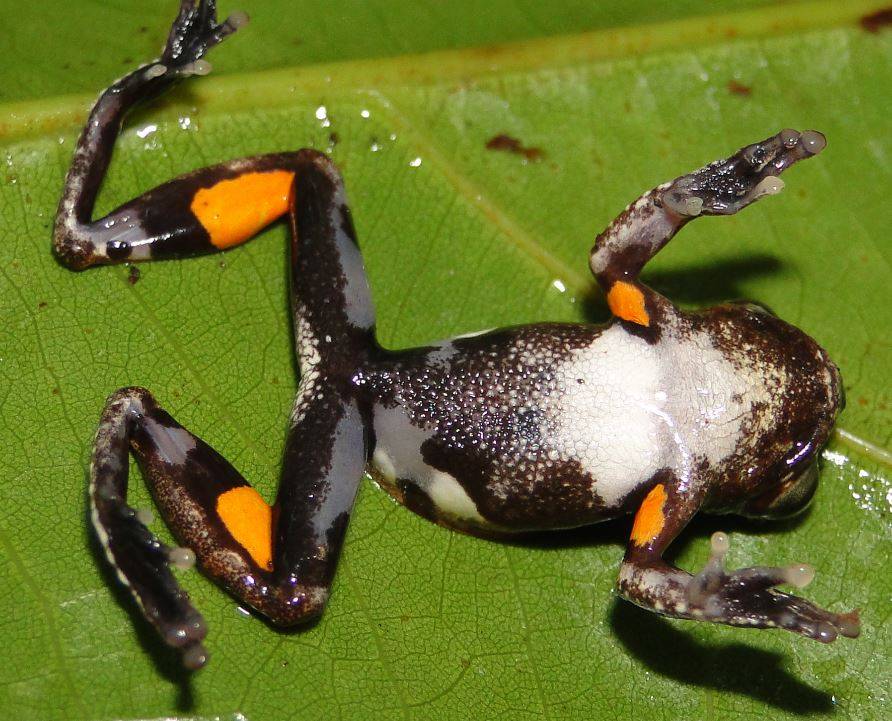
(146, 131)
(322, 116)
(415, 163)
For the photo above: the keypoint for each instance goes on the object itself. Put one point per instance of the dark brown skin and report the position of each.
(527, 428)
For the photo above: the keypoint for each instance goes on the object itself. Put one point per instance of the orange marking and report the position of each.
(249, 520)
(649, 520)
(232, 211)
(626, 301)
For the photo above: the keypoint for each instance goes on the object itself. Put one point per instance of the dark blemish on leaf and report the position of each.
(127, 61)
(42, 304)
(466, 663)
(133, 275)
(144, 28)
(333, 139)
(56, 392)
(862, 401)
(876, 21)
(736, 88)
(512, 145)
(222, 263)
(88, 331)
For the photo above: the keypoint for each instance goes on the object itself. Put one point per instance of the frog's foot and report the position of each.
(193, 33)
(727, 186)
(747, 597)
(143, 563)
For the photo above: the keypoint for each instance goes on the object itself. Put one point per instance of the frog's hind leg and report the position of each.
(157, 225)
(279, 560)
(646, 225)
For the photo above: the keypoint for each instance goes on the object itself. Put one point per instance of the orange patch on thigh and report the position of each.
(232, 211)
(249, 520)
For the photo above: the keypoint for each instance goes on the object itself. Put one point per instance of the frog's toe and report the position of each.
(748, 597)
(193, 33)
(727, 186)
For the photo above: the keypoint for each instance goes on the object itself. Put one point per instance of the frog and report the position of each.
(658, 414)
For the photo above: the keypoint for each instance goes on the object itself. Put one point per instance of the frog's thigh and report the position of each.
(205, 211)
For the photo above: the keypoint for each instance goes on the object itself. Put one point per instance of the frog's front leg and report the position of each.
(746, 597)
(645, 226)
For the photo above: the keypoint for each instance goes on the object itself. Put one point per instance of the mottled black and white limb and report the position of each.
(723, 187)
(278, 559)
(78, 240)
(745, 597)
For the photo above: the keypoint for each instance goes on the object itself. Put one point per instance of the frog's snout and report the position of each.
(836, 390)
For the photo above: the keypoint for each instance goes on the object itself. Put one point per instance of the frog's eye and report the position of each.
(789, 498)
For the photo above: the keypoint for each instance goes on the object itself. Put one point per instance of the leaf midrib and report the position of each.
(273, 88)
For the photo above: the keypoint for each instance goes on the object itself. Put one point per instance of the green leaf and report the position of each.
(425, 623)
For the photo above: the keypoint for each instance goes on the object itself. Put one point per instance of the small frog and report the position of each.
(660, 413)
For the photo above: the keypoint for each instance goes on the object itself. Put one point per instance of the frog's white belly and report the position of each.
(642, 407)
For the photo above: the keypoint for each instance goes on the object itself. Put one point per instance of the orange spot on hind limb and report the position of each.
(233, 210)
(626, 301)
(649, 520)
(249, 520)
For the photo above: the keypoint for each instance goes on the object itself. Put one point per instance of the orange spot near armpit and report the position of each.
(248, 518)
(232, 211)
(626, 301)
(649, 520)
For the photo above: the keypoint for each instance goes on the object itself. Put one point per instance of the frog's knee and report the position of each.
(298, 605)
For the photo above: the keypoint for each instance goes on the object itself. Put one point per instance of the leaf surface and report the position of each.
(425, 623)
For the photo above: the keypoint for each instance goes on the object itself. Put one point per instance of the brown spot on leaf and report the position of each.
(42, 304)
(862, 401)
(876, 21)
(509, 144)
(736, 88)
(133, 275)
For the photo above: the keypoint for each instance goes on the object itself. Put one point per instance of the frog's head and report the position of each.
(814, 396)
